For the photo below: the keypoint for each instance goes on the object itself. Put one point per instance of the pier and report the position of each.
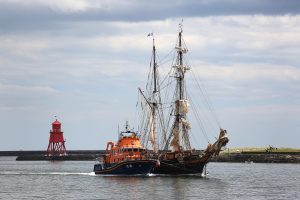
(259, 157)
(42, 155)
(256, 157)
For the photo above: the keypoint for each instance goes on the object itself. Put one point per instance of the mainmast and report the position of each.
(181, 126)
(154, 103)
(180, 73)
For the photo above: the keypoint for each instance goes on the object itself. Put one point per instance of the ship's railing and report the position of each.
(129, 154)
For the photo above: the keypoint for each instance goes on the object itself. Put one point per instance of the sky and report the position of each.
(83, 60)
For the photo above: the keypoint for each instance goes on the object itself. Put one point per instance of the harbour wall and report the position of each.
(278, 157)
(41, 155)
(257, 157)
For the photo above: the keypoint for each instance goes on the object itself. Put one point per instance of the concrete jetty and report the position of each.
(256, 157)
(286, 157)
(41, 155)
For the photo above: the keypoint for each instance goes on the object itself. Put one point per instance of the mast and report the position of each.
(154, 102)
(154, 68)
(181, 126)
(181, 75)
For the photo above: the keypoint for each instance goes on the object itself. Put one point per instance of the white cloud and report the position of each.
(247, 72)
(24, 48)
(60, 5)
(6, 89)
(244, 35)
(21, 98)
(68, 5)
(271, 111)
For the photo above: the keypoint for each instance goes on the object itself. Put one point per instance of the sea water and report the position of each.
(75, 180)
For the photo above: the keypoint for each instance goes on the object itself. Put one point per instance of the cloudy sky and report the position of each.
(83, 60)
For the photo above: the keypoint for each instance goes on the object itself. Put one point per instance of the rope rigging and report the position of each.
(165, 99)
(206, 99)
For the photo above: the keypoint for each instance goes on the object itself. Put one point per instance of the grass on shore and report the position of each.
(261, 149)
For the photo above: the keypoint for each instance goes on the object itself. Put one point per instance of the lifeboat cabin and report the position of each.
(127, 148)
(127, 156)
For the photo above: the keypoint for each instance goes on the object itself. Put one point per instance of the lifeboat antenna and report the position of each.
(126, 126)
(119, 134)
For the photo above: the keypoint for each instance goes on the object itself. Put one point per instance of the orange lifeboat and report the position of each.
(126, 157)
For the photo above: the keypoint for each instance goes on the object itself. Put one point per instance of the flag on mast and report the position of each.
(150, 34)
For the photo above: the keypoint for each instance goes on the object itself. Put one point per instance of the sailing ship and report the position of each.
(126, 157)
(164, 118)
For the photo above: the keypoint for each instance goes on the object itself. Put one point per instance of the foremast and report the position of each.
(152, 102)
(180, 140)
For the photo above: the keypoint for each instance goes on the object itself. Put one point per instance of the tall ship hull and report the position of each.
(189, 162)
(174, 166)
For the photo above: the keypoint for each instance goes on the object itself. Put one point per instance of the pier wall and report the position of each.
(40, 155)
(282, 157)
(258, 157)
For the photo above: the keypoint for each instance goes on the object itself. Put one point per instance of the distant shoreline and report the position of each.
(39, 152)
(258, 157)
(269, 154)
(247, 155)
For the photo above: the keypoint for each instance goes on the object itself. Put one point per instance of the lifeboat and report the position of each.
(126, 157)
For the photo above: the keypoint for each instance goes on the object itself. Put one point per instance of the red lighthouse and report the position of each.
(56, 145)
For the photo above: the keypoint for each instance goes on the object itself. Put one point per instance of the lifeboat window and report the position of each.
(129, 150)
(135, 150)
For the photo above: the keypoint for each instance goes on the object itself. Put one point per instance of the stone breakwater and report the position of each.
(258, 157)
(41, 155)
(52, 158)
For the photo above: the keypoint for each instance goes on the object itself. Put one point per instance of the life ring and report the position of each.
(111, 144)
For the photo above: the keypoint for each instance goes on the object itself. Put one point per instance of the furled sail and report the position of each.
(186, 124)
(182, 107)
(175, 145)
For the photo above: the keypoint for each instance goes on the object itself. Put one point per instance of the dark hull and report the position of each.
(175, 167)
(132, 167)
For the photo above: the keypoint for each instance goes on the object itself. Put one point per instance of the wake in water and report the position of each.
(179, 175)
(47, 173)
(100, 175)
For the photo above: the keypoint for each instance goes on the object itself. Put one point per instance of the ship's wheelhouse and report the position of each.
(127, 148)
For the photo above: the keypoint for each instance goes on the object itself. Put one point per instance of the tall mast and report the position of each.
(181, 126)
(154, 102)
(154, 68)
(181, 75)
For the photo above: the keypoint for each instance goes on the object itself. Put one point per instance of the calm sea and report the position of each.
(75, 180)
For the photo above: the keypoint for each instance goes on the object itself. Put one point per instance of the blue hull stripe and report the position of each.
(128, 167)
